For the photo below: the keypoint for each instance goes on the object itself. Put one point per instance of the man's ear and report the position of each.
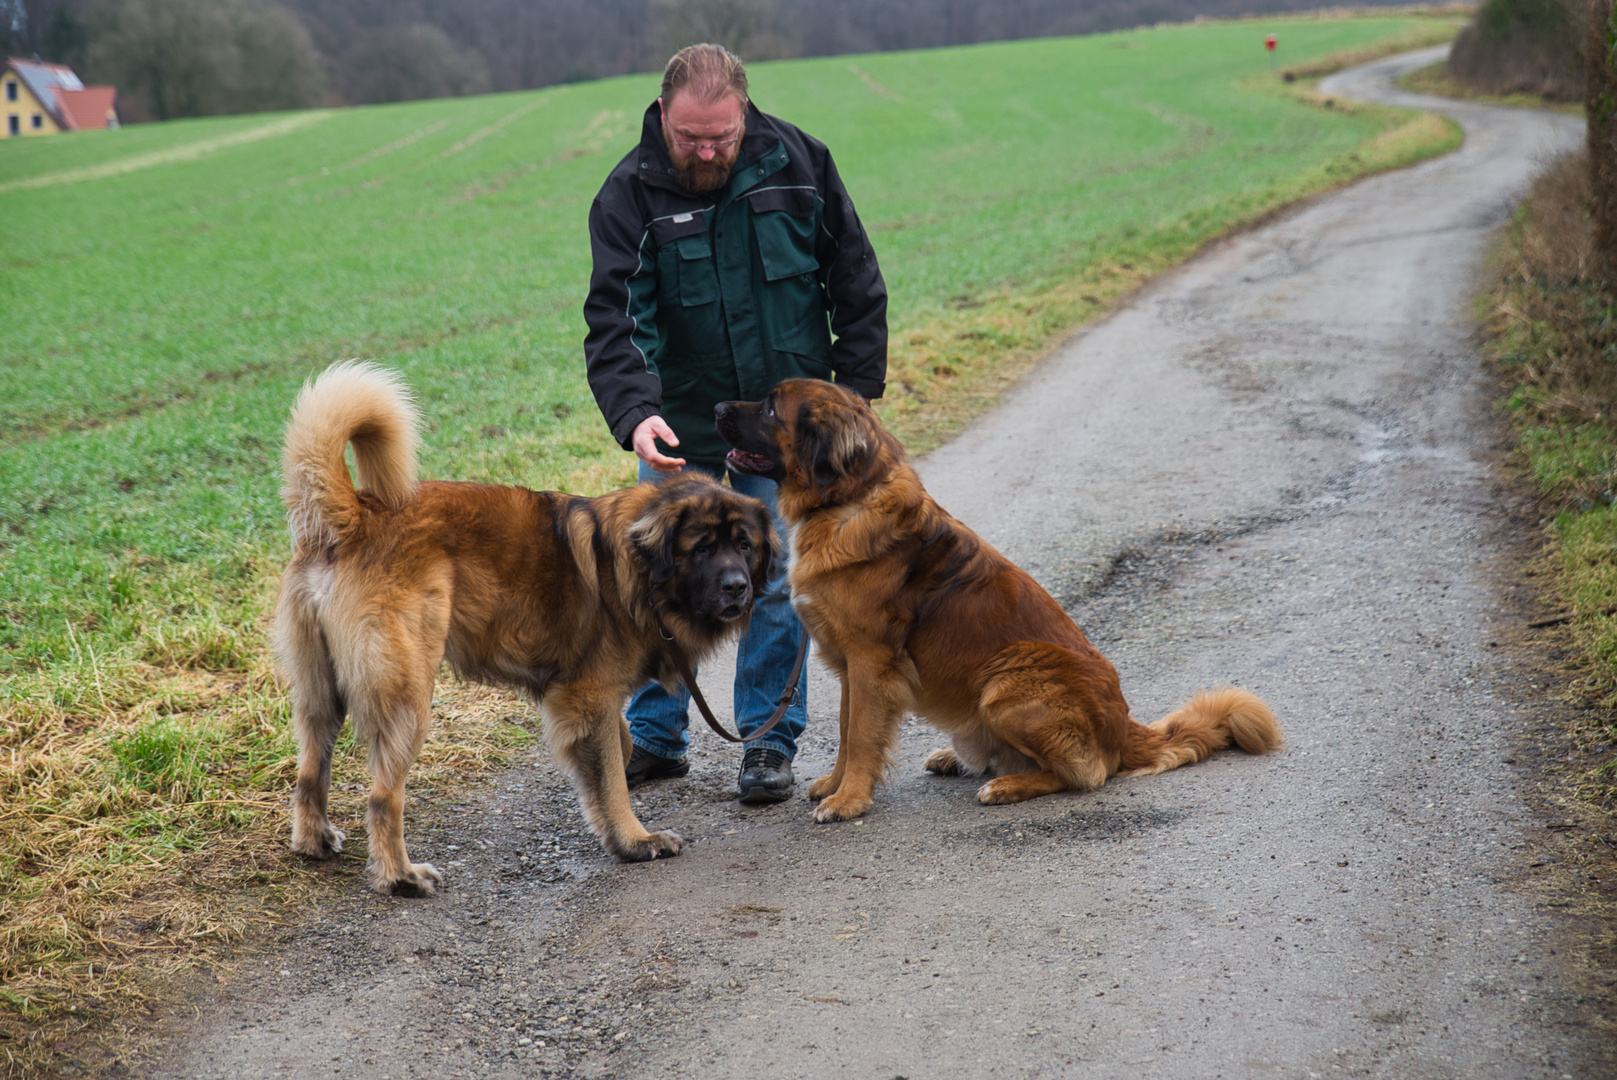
(655, 536)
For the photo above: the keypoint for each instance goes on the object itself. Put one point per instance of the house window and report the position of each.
(39, 121)
(13, 122)
(11, 91)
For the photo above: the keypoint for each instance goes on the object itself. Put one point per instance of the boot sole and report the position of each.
(754, 796)
(682, 769)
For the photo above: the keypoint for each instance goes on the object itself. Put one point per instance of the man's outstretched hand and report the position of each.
(646, 434)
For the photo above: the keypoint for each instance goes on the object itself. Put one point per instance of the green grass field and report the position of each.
(168, 288)
(160, 319)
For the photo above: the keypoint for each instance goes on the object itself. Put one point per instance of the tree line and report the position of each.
(174, 58)
(1524, 47)
(1564, 50)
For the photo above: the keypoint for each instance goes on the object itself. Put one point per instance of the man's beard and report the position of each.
(698, 176)
(703, 176)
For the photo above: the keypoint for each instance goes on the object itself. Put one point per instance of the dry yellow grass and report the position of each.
(1417, 37)
(1435, 80)
(144, 831)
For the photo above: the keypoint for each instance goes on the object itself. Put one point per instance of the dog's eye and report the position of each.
(743, 546)
(769, 409)
(703, 549)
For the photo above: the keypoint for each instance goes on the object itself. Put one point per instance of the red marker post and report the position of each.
(1271, 44)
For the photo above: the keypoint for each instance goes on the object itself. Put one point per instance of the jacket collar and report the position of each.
(762, 152)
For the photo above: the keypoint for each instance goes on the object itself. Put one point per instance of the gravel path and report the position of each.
(1276, 467)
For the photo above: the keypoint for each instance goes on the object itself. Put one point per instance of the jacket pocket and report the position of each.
(803, 350)
(698, 280)
(784, 220)
(685, 273)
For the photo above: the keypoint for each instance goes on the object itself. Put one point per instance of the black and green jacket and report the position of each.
(698, 299)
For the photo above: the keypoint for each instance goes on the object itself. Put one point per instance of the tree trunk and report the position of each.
(1600, 98)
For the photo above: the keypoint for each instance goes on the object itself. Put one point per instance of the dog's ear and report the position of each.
(655, 535)
(831, 441)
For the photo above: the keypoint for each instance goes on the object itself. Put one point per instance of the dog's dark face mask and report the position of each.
(714, 558)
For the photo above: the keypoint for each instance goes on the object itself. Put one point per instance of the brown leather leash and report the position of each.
(784, 702)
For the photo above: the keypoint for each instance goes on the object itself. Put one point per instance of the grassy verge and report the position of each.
(1553, 327)
(155, 841)
(176, 283)
(1434, 79)
(1552, 323)
(1416, 36)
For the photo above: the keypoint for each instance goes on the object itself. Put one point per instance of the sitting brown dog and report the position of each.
(578, 602)
(917, 614)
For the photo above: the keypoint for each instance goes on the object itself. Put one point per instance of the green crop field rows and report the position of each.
(168, 288)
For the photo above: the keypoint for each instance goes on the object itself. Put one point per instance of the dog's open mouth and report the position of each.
(748, 462)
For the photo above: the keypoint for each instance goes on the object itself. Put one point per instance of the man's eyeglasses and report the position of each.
(718, 146)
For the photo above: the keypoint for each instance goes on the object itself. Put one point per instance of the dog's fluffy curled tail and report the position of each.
(352, 402)
(1211, 720)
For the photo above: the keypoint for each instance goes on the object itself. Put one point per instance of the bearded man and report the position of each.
(727, 257)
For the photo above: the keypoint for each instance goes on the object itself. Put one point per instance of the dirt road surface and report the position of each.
(1276, 467)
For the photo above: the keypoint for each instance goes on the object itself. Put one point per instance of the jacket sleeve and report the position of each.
(855, 291)
(622, 346)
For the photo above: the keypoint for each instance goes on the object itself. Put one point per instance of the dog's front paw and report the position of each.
(318, 843)
(657, 845)
(841, 807)
(822, 787)
(1018, 787)
(943, 763)
(998, 793)
(420, 881)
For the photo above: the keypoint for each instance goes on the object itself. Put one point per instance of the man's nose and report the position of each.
(707, 152)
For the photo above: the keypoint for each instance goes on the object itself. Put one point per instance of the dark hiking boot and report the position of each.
(645, 766)
(766, 776)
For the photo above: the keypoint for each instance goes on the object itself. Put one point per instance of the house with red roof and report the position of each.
(43, 99)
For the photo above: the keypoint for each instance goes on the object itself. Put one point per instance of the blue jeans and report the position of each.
(658, 719)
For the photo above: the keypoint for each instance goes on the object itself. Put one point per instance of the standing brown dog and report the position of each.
(576, 601)
(917, 614)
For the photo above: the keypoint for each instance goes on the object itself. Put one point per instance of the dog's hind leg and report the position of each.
(394, 721)
(972, 752)
(1037, 739)
(317, 719)
(1040, 705)
(585, 729)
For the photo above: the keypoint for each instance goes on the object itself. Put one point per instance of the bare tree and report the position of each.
(280, 68)
(25, 26)
(735, 24)
(173, 58)
(1600, 106)
(168, 58)
(1523, 46)
(407, 63)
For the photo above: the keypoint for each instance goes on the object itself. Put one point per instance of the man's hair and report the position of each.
(705, 72)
